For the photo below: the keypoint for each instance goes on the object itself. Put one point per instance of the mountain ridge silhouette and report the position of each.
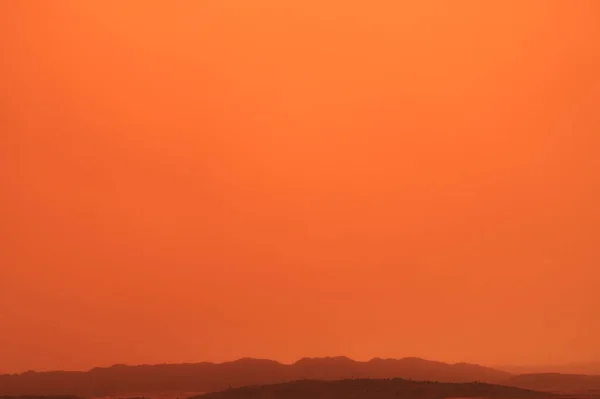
(212, 377)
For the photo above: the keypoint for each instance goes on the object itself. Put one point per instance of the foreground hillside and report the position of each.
(376, 389)
(39, 397)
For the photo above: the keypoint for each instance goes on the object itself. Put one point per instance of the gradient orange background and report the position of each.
(207, 180)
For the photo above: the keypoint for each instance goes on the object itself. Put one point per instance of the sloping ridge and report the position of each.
(376, 389)
(556, 382)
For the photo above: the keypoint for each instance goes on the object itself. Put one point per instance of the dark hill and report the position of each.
(376, 389)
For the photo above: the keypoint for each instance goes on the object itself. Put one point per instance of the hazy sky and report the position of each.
(208, 180)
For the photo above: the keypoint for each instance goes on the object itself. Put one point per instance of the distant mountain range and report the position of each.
(212, 377)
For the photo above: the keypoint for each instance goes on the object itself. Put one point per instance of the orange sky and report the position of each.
(208, 180)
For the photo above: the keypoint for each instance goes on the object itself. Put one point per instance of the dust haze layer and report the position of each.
(278, 179)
